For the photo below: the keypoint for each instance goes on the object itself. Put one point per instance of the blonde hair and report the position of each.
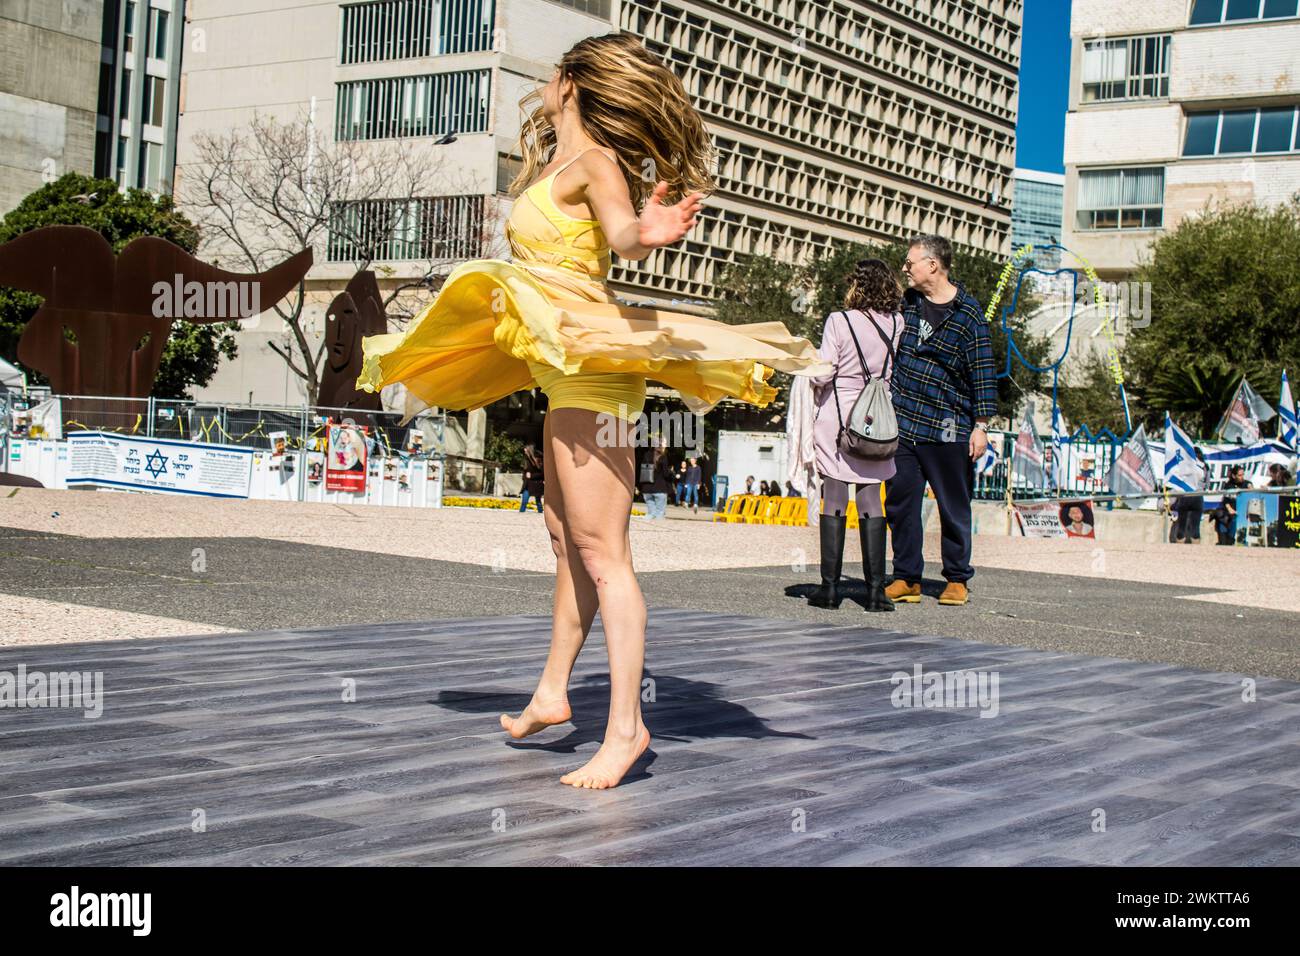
(632, 103)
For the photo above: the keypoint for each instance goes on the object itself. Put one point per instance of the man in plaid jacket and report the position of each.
(945, 391)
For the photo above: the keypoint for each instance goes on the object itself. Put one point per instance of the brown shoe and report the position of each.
(954, 593)
(900, 592)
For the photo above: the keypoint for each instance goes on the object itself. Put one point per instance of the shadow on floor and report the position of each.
(682, 711)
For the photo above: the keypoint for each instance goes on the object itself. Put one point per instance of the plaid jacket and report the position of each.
(943, 383)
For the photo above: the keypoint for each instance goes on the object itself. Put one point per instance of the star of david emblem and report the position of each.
(156, 464)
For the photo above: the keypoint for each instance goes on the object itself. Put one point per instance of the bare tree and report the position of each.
(265, 192)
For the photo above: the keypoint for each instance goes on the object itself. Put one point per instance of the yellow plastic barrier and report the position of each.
(766, 511)
(732, 509)
(794, 511)
(748, 505)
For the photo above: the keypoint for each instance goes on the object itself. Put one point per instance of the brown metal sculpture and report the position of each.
(119, 310)
(355, 312)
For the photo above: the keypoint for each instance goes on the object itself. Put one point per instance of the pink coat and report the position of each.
(837, 348)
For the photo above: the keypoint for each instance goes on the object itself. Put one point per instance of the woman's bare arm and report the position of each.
(601, 183)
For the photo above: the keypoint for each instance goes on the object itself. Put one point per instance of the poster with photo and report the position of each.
(315, 467)
(1039, 520)
(1077, 520)
(346, 459)
(281, 460)
(1257, 519)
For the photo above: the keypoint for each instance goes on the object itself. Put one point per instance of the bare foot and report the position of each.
(614, 758)
(538, 715)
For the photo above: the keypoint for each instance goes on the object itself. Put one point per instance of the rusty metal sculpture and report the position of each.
(355, 312)
(119, 310)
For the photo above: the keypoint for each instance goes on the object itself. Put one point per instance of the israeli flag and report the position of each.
(1183, 471)
(984, 464)
(1288, 431)
(1060, 449)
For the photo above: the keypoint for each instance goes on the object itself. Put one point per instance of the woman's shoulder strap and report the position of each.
(599, 149)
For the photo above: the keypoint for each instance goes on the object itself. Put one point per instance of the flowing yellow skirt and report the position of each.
(495, 323)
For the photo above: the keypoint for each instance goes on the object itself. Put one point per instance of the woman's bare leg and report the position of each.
(574, 610)
(595, 484)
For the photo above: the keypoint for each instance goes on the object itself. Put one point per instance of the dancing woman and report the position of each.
(869, 329)
(614, 133)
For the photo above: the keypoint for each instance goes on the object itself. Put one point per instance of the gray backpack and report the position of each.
(872, 429)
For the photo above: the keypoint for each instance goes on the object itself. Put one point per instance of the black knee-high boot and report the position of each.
(871, 532)
(832, 535)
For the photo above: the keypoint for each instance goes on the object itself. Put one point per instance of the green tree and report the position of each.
(1225, 301)
(507, 451)
(193, 351)
(1088, 395)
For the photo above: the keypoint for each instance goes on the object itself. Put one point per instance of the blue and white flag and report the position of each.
(1288, 431)
(986, 462)
(1060, 449)
(1183, 471)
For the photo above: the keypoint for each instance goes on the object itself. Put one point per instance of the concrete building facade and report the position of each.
(139, 92)
(1175, 104)
(49, 75)
(834, 121)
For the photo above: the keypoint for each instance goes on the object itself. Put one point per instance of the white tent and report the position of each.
(10, 377)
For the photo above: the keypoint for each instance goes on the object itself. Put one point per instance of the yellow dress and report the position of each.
(549, 319)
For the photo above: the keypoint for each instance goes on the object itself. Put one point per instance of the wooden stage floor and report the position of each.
(775, 742)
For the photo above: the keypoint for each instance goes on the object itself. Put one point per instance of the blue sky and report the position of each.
(1044, 85)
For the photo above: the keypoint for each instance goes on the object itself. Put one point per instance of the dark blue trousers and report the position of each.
(950, 472)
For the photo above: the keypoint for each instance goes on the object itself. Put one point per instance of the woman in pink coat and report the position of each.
(871, 316)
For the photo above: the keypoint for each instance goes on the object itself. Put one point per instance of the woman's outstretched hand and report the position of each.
(662, 225)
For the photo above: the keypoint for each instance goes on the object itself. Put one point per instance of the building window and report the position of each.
(1133, 68)
(1121, 198)
(155, 98)
(1242, 132)
(128, 28)
(431, 105)
(597, 8)
(401, 29)
(158, 33)
(1206, 12)
(124, 96)
(122, 145)
(508, 168)
(149, 175)
(105, 104)
(428, 228)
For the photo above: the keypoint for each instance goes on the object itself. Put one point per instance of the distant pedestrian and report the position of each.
(656, 481)
(1188, 510)
(1225, 516)
(749, 485)
(534, 478)
(693, 476)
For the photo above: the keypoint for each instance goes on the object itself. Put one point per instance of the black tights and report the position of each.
(835, 498)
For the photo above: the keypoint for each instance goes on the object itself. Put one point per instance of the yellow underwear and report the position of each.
(621, 394)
